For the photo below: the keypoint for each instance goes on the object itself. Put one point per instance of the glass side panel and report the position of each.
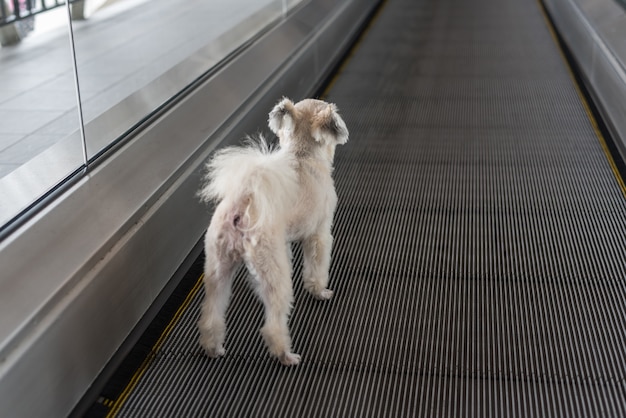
(131, 56)
(38, 109)
(136, 54)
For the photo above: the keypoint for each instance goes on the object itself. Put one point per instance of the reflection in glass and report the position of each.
(135, 55)
(132, 56)
(37, 110)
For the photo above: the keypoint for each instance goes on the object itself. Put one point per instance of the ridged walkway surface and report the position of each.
(480, 243)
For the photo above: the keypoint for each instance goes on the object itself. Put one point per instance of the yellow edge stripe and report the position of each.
(353, 48)
(119, 402)
(583, 99)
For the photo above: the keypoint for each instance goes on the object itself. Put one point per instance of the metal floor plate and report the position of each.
(480, 257)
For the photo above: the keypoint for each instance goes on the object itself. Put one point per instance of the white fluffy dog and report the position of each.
(267, 199)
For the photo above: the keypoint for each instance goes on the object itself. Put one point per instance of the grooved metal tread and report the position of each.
(480, 243)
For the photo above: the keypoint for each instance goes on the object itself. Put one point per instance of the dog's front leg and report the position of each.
(316, 252)
(269, 263)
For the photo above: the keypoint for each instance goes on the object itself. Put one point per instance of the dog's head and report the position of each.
(307, 125)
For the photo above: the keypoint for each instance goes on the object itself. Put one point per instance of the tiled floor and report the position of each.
(119, 50)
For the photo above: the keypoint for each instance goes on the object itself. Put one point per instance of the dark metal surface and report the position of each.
(480, 251)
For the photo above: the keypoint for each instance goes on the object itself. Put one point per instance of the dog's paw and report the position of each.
(325, 294)
(211, 347)
(215, 352)
(289, 359)
(318, 292)
(322, 294)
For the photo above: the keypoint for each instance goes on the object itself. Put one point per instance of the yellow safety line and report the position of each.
(353, 48)
(583, 99)
(119, 402)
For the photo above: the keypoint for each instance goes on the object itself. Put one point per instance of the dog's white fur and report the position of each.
(265, 200)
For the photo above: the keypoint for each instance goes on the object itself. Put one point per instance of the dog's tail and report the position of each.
(260, 183)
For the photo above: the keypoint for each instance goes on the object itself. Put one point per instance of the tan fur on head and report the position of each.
(328, 127)
(306, 120)
(267, 198)
(282, 116)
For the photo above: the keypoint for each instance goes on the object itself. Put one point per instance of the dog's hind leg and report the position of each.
(316, 252)
(270, 266)
(218, 276)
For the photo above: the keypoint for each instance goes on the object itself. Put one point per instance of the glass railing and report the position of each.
(77, 78)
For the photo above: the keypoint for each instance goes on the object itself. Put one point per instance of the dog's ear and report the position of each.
(282, 116)
(328, 126)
